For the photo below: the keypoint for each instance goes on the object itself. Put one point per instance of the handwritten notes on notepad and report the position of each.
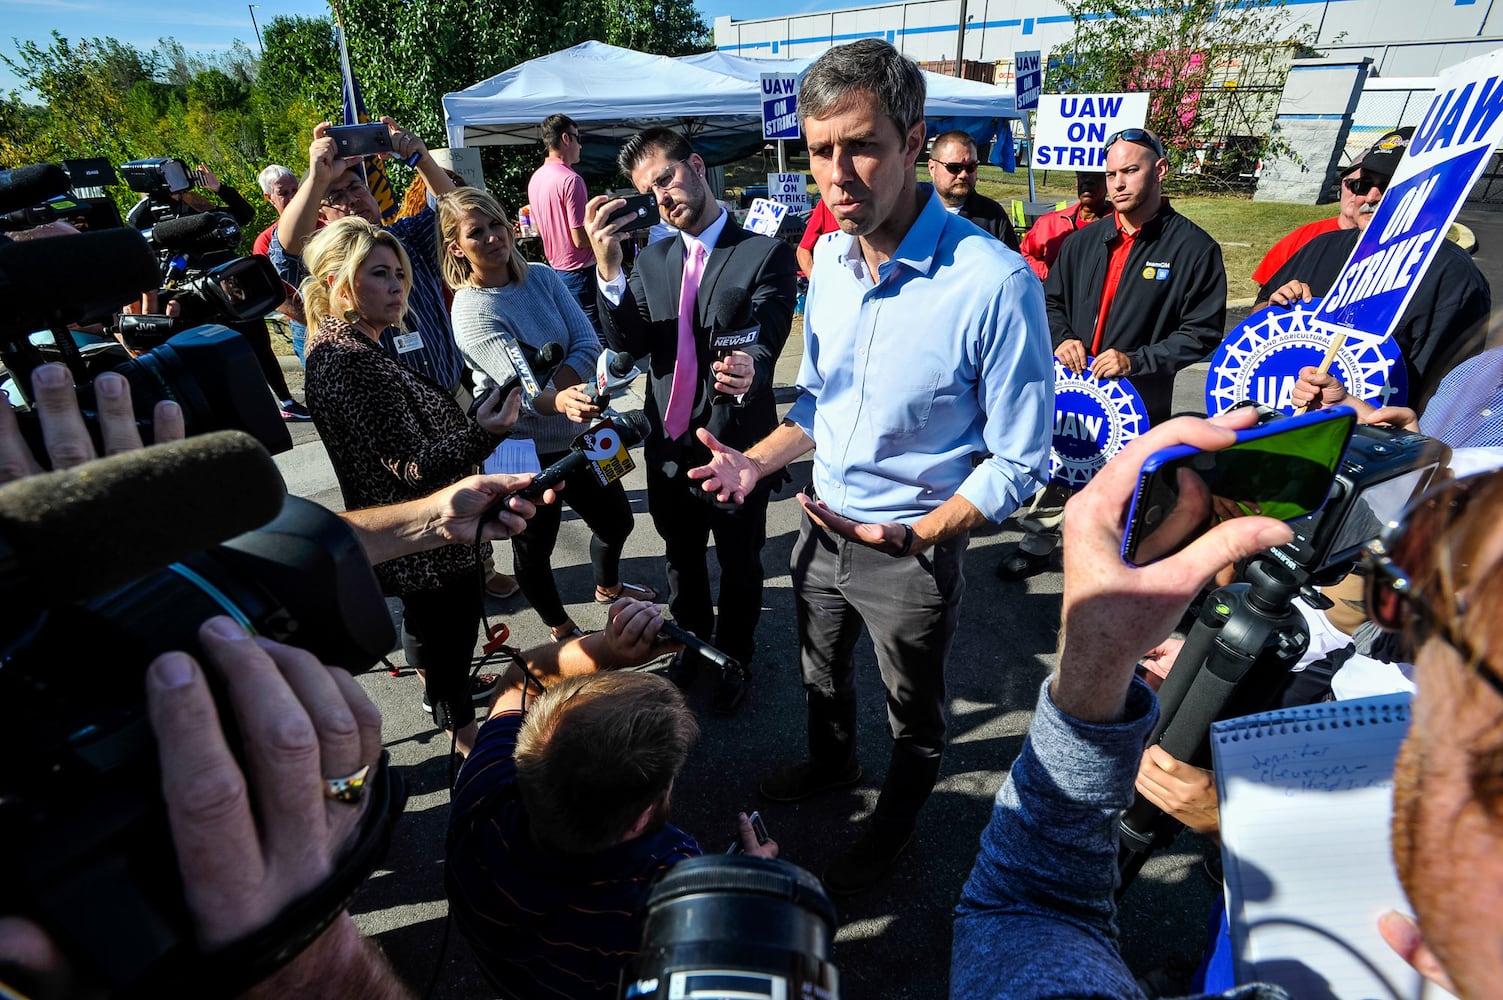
(1306, 799)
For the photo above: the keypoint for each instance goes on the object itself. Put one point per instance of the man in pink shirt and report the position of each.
(557, 196)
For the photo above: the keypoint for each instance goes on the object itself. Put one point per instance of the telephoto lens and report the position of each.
(723, 926)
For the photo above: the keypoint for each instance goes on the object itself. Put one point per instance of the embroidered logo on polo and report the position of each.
(1093, 420)
(1261, 358)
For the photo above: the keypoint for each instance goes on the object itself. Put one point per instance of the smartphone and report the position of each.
(505, 390)
(758, 827)
(641, 211)
(1282, 469)
(360, 140)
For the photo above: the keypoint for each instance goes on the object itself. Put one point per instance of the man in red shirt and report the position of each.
(821, 221)
(1141, 294)
(1044, 238)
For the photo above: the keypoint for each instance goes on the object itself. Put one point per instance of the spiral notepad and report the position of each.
(1306, 799)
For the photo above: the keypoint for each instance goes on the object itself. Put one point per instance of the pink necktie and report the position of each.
(686, 368)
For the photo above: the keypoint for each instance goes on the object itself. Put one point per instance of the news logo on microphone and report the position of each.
(606, 450)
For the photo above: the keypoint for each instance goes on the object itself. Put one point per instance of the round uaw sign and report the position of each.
(1261, 359)
(1093, 420)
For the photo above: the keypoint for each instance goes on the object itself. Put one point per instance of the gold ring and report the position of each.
(350, 789)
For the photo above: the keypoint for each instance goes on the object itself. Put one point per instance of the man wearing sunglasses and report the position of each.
(557, 196)
(1445, 321)
(1036, 916)
(953, 167)
(1139, 294)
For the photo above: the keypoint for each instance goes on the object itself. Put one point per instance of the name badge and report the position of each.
(408, 342)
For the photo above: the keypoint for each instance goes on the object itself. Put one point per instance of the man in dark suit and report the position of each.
(736, 293)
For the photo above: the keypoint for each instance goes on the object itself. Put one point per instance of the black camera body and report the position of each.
(160, 175)
(1382, 469)
(85, 848)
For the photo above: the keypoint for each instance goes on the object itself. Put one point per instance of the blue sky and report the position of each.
(213, 25)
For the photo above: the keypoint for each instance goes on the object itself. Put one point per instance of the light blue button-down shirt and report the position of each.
(935, 379)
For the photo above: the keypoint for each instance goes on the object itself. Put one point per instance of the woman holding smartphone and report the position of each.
(394, 435)
(496, 294)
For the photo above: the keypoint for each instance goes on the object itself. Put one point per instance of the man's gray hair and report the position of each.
(271, 175)
(869, 65)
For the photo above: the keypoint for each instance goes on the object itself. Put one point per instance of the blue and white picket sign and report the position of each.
(1093, 420)
(780, 106)
(1449, 151)
(1028, 77)
(1261, 357)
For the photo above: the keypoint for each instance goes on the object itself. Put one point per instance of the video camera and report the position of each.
(50, 284)
(37, 195)
(170, 536)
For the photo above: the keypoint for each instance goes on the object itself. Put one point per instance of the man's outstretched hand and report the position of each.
(729, 474)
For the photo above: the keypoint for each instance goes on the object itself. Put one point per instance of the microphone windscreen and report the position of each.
(550, 354)
(86, 531)
(633, 427)
(732, 309)
(23, 187)
(118, 263)
(185, 232)
(621, 365)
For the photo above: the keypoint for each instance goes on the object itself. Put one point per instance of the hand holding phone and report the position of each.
(1282, 469)
(639, 212)
(350, 141)
(758, 827)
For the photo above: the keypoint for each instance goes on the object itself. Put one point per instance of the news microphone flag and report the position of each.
(374, 168)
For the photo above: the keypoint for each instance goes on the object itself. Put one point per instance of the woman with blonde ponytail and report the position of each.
(394, 435)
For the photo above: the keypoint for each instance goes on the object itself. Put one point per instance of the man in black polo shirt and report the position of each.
(1140, 293)
(559, 823)
(953, 166)
(1444, 323)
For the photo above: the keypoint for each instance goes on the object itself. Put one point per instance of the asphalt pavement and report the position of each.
(893, 942)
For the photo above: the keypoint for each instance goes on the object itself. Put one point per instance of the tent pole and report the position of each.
(782, 157)
(1028, 134)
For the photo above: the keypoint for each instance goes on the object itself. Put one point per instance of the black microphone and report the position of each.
(546, 360)
(632, 428)
(731, 329)
(672, 630)
(23, 187)
(118, 262)
(128, 515)
(189, 232)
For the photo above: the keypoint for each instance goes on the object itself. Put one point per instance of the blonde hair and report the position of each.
(334, 256)
(451, 211)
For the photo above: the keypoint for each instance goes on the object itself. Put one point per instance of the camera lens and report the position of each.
(735, 926)
(212, 374)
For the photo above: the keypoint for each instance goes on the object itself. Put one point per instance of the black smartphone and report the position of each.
(640, 211)
(504, 389)
(361, 140)
(758, 827)
(1281, 469)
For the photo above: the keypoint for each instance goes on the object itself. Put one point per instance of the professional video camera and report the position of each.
(734, 925)
(49, 284)
(1248, 636)
(107, 566)
(158, 178)
(36, 195)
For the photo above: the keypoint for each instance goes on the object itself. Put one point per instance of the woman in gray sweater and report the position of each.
(496, 292)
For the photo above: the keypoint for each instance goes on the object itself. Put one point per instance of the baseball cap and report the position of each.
(1383, 156)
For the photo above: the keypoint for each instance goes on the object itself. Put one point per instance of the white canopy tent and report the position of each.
(613, 92)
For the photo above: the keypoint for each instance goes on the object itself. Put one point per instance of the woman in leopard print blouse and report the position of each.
(394, 435)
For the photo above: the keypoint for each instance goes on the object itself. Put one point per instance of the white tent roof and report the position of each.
(617, 92)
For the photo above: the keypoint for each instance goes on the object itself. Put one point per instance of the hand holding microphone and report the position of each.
(732, 330)
(614, 371)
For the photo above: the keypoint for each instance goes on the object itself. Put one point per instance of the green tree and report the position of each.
(1215, 69)
(407, 58)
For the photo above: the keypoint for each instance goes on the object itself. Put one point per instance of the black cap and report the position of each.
(1383, 156)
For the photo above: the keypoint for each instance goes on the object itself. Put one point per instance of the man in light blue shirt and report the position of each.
(927, 394)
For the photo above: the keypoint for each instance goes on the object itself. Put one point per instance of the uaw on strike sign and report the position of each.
(1449, 151)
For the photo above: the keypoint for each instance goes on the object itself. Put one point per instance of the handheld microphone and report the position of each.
(547, 360)
(731, 329)
(178, 500)
(517, 355)
(630, 428)
(614, 371)
(677, 633)
(23, 187)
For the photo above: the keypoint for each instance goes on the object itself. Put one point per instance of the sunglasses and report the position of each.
(1359, 186)
(1403, 559)
(1141, 136)
(958, 168)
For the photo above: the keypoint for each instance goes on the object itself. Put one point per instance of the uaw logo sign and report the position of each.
(1261, 359)
(1093, 420)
